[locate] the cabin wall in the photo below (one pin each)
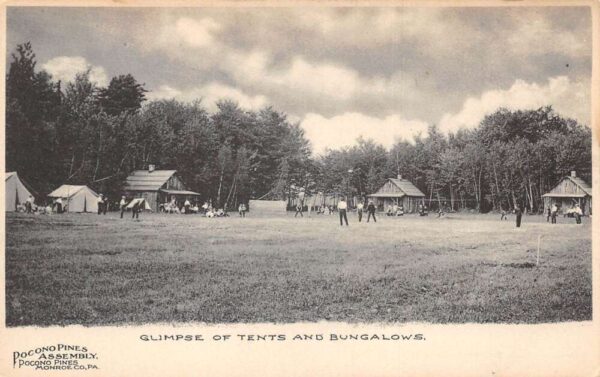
(566, 186)
(389, 187)
(410, 204)
(174, 183)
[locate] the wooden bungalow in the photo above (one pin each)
(398, 191)
(569, 191)
(158, 187)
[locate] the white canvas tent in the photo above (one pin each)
(76, 198)
(145, 205)
(15, 192)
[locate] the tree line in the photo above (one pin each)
(80, 133)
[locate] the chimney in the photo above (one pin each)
(151, 168)
(399, 176)
(573, 174)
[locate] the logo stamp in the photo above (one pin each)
(56, 357)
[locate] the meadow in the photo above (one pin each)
(102, 270)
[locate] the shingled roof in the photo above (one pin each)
(582, 184)
(143, 180)
(407, 186)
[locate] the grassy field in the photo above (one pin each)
(91, 270)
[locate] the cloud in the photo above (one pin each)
(534, 34)
(177, 35)
(210, 94)
(568, 98)
(65, 68)
(420, 62)
(316, 82)
(434, 30)
(193, 33)
(343, 130)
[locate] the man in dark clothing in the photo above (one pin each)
(519, 213)
(100, 204)
(299, 209)
(135, 210)
(371, 212)
(342, 207)
(29, 204)
(577, 212)
(553, 213)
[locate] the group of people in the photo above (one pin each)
(342, 207)
(395, 210)
(552, 212)
(102, 204)
(30, 207)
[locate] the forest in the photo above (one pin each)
(79, 133)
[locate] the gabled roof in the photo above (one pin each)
(407, 187)
(582, 184)
(143, 180)
(66, 191)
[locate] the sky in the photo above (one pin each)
(384, 73)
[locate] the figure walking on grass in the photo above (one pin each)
(101, 204)
(300, 203)
(123, 205)
(359, 210)
(342, 207)
(519, 213)
(371, 211)
(135, 210)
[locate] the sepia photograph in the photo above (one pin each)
(280, 165)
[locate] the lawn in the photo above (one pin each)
(103, 270)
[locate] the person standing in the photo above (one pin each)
(242, 210)
(299, 209)
(59, 205)
(548, 214)
(100, 202)
(359, 210)
(371, 211)
(186, 207)
(122, 205)
(29, 204)
(554, 213)
(577, 212)
(342, 207)
(519, 213)
(135, 209)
